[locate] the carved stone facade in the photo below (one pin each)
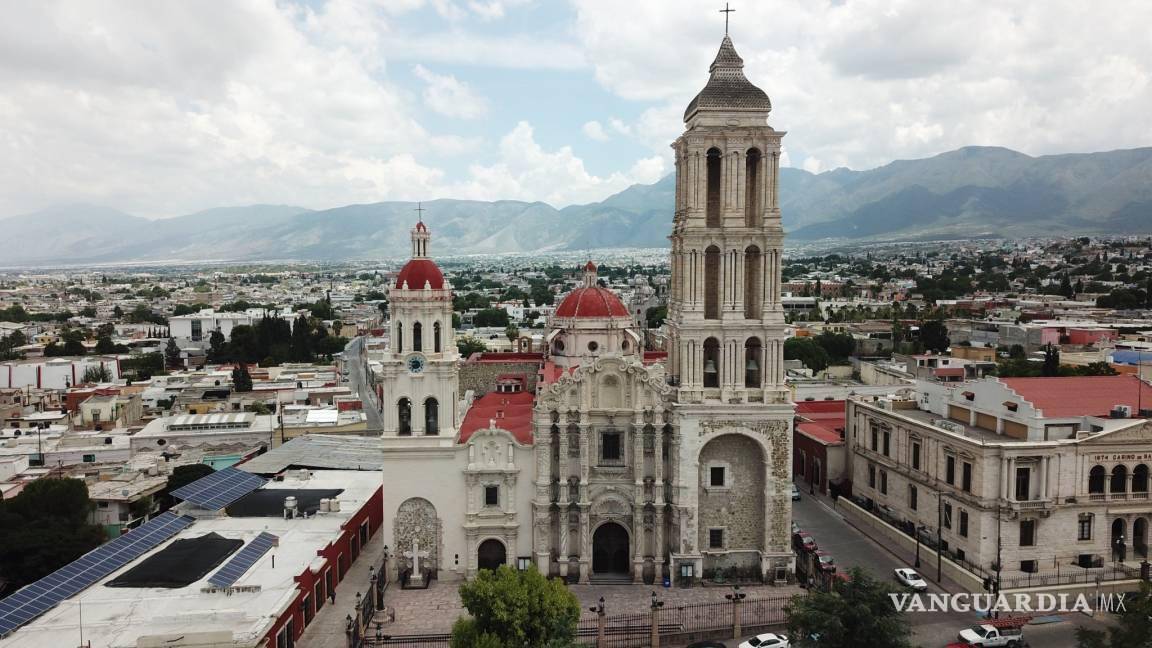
(417, 525)
(490, 492)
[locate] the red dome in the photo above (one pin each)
(591, 302)
(417, 272)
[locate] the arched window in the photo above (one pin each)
(558, 346)
(712, 282)
(752, 359)
(404, 415)
(1096, 479)
(752, 167)
(711, 363)
(712, 213)
(417, 337)
(753, 282)
(399, 337)
(431, 416)
(1119, 479)
(1140, 479)
(436, 337)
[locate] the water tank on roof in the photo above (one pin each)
(325, 505)
(334, 505)
(289, 507)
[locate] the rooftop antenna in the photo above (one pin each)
(726, 11)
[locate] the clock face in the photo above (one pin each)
(415, 363)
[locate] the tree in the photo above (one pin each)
(117, 312)
(105, 345)
(807, 351)
(934, 336)
(467, 345)
(241, 379)
(516, 609)
(858, 607)
(44, 528)
(216, 342)
(1066, 287)
(96, 374)
(172, 354)
(1133, 626)
(839, 346)
(491, 317)
(655, 315)
(301, 344)
(1051, 366)
(511, 332)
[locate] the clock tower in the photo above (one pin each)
(419, 379)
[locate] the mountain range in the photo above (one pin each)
(973, 192)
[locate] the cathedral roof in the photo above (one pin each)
(417, 272)
(728, 90)
(511, 412)
(592, 301)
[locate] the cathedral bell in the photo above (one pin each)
(710, 366)
(753, 365)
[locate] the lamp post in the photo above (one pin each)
(656, 605)
(918, 529)
(939, 538)
(735, 597)
(599, 610)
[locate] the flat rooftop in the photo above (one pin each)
(119, 617)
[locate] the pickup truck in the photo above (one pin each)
(986, 636)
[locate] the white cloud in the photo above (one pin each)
(861, 83)
(595, 130)
(449, 96)
(526, 171)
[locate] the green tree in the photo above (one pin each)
(301, 344)
(216, 346)
(241, 379)
(44, 528)
(858, 607)
(1051, 366)
(807, 351)
(655, 315)
(516, 609)
(934, 336)
(839, 346)
(1133, 626)
(172, 354)
(105, 345)
(96, 374)
(467, 345)
(491, 317)
(117, 312)
(511, 332)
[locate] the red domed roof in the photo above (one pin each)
(595, 301)
(417, 272)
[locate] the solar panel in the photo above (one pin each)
(221, 488)
(37, 598)
(243, 560)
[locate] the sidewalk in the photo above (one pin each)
(327, 630)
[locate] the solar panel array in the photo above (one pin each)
(243, 560)
(33, 600)
(221, 488)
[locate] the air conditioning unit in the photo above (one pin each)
(1121, 411)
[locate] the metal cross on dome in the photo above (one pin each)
(726, 11)
(420, 212)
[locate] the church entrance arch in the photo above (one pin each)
(610, 549)
(491, 554)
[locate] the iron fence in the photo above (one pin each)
(1071, 576)
(635, 630)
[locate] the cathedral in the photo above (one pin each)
(596, 460)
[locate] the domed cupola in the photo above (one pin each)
(589, 322)
(420, 272)
(728, 91)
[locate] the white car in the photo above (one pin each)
(909, 578)
(767, 640)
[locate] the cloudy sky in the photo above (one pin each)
(166, 107)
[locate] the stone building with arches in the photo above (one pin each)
(1055, 469)
(622, 465)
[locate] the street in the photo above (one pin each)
(356, 364)
(851, 548)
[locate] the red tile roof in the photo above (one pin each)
(822, 420)
(655, 356)
(949, 371)
(512, 412)
(417, 272)
(1060, 397)
(594, 301)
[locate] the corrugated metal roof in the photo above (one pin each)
(320, 451)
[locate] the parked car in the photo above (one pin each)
(909, 578)
(803, 541)
(767, 640)
(827, 562)
(795, 493)
(986, 636)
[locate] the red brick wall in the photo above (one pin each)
(812, 449)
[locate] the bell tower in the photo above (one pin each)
(727, 331)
